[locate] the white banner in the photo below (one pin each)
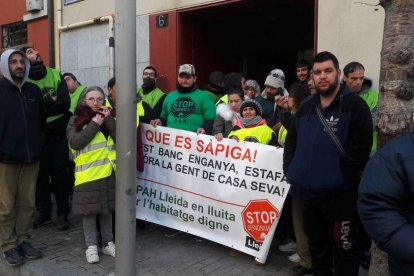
(229, 192)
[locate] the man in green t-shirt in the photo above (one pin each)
(149, 91)
(188, 107)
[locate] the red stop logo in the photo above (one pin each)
(258, 216)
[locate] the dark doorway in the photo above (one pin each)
(250, 36)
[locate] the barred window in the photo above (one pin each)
(14, 34)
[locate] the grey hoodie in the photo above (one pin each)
(22, 117)
(4, 66)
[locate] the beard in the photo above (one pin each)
(328, 91)
(17, 75)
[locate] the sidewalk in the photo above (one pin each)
(64, 254)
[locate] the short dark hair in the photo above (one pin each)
(24, 48)
(152, 68)
(298, 92)
(352, 67)
(237, 91)
(303, 63)
(111, 82)
(325, 56)
(72, 76)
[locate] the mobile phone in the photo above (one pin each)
(281, 92)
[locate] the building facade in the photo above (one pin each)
(248, 36)
(27, 23)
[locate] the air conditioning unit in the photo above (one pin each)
(34, 5)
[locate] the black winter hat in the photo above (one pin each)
(252, 103)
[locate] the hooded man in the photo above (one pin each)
(149, 91)
(22, 121)
(354, 78)
(188, 107)
(53, 164)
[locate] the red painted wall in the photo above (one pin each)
(38, 37)
(163, 51)
(37, 30)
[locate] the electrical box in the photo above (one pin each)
(34, 5)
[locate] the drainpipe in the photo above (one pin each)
(51, 16)
(97, 20)
(58, 23)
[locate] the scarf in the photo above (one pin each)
(183, 89)
(251, 122)
(37, 71)
(85, 115)
(148, 85)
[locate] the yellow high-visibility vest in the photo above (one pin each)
(281, 136)
(260, 134)
(96, 160)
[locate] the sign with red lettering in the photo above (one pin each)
(258, 216)
(225, 191)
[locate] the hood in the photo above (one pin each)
(366, 85)
(4, 65)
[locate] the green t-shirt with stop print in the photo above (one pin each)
(188, 111)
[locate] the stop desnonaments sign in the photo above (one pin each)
(258, 216)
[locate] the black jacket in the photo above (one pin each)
(22, 122)
(311, 160)
(386, 202)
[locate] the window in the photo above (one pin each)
(67, 2)
(14, 34)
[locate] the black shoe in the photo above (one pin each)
(300, 270)
(28, 251)
(41, 220)
(62, 223)
(13, 257)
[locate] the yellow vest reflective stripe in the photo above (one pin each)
(96, 160)
(281, 135)
(260, 134)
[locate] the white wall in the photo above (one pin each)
(353, 32)
(85, 52)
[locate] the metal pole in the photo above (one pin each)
(125, 56)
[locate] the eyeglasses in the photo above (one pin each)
(275, 75)
(93, 100)
(148, 74)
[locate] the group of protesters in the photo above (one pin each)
(325, 121)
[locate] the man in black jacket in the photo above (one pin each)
(54, 160)
(22, 122)
(326, 173)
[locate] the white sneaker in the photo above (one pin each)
(294, 258)
(109, 249)
(92, 254)
(289, 247)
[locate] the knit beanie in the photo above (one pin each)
(251, 103)
(253, 84)
(275, 79)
